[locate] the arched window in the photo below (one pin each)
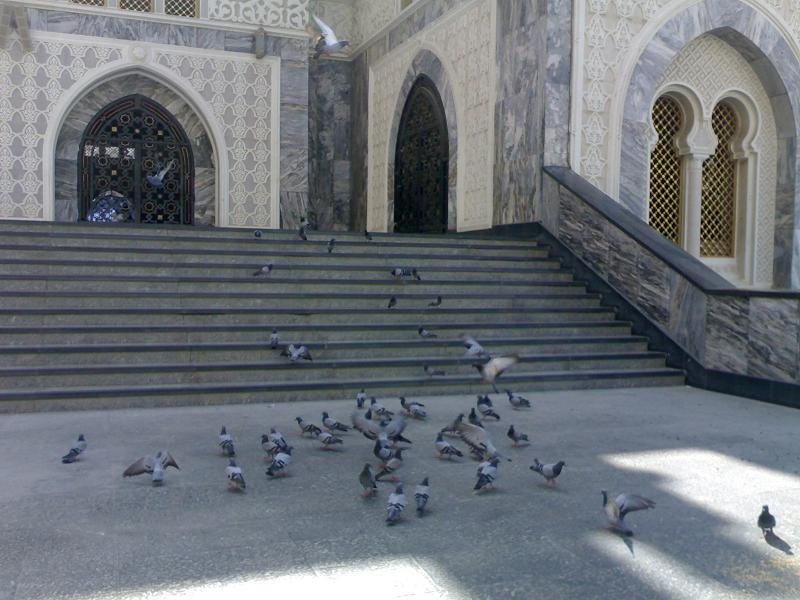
(665, 171)
(718, 198)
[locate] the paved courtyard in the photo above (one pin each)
(709, 461)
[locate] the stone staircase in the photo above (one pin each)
(96, 316)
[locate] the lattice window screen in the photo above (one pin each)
(718, 201)
(182, 8)
(90, 2)
(139, 5)
(665, 171)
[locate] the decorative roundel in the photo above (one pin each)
(125, 162)
(149, 206)
(126, 183)
(125, 118)
(149, 143)
(102, 141)
(102, 182)
(171, 146)
(125, 141)
(171, 186)
(170, 207)
(102, 161)
(149, 164)
(149, 121)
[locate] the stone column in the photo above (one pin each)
(691, 194)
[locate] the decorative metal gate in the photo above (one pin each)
(136, 166)
(421, 163)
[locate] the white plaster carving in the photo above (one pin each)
(464, 41)
(289, 14)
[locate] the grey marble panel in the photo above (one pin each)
(727, 333)
(654, 288)
(687, 315)
(773, 349)
(623, 261)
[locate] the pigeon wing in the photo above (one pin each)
(168, 461)
(330, 37)
(364, 426)
(631, 502)
(143, 465)
(495, 367)
(474, 436)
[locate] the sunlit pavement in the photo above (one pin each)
(709, 461)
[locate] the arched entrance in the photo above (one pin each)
(421, 163)
(135, 165)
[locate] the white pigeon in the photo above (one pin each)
(235, 476)
(396, 505)
(155, 465)
(280, 463)
(422, 494)
(445, 448)
(226, 442)
(327, 42)
(487, 475)
(616, 510)
(75, 451)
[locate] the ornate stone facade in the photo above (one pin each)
(289, 14)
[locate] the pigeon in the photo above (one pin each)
(519, 439)
(271, 447)
(280, 463)
(257, 233)
(452, 428)
(432, 372)
(372, 430)
(437, 302)
(413, 409)
(326, 41)
(235, 477)
(421, 495)
(403, 272)
(396, 505)
(549, 472)
(517, 401)
(265, 270)
(296, 353)
(474, 419)
(487, 474)
(379, 410)
(383, 449)
(75, 451)
(307, 428)
(332, 424)
(445, 448)
(274, 339)
(157, 180)
(301, 233)
(277, 438)
(473, 348)
(226, 442)
(155, 465)
(624, 504)
(331, 244)
(477, 438)
(495, 367)
(367, 481)
(328, 440)
(424, 333)
(485, 408)
(766, 521)
(391, 465)
(361, 397)
(392, 302)
(367, 235)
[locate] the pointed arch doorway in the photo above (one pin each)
(421, 162)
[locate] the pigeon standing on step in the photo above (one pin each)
(155, 465)
(331, 244)
(361, 397)
(226, 442)
(432, 372)
(274, 339)
(495, 367)
(396, 505)
(616, 510)
(445, 449)
(437, 302)
(301, 232)
(549, 472)
(487, 475)
(307, 428)
(265, 270)
(517, 401)
(486, 408)
(235, 477)
(424, 333)
(332, 424)
(367, 481)
(413, 409)
(280, 463)
(519, 439)
(328, 440)
(421, 495)
(257, 233)
(766, 521)
(75, 451)
(296, 353)
(392, 303)
(367, 235)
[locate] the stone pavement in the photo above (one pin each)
(709, 461)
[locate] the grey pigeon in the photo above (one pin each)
(519, 439)
(396, 505)
(226, 442)
(331, 244)
(422, 494)
(379, 410)
(271, 447)
(332, 424)
(549, 472)
(265, 270)
(383, 450)
(437, 302)
(424, 333)
(485, 407)
(766, 521)
(328, 440)
(301, 233)
(367, 481)
(430, 372)
(392, 302)
(274, 339)
(452, 428)
(280, 463)
(616, 510)
(413, 409)
(277, 438)
(391, 465)
(361, 397)
(257, 233)
(487, 475)
(235, 477)
(495, 367)
(473, 347)
(157, 180)
(155, 465)
(474, 419)
(296, 353)
(367, 235)
(517, 401)
(478, 440)
(327, 42)
(75, 451)
(307, 428)
(445, 448)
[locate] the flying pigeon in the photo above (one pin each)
(437, 302)
(392, 302)
(296, 353)
(327, 42)
(274, 339)
(226, 442)
(332, 424)
(367, 481)
(308, 428)
(485, 408)
(235, 477)
(624, 504)
(452, 428)
(519, 439)
(766, 521)
(157, 180)
(280, 463)
(75, 451)
(301, 233)
(361, 397)
(494, 368)
(328, 440)
(421, 495)
(424, 333)
(474, 419)
(367, 235)
(517, 401)
(477, 438)
(265, 270)
(445, 448)
(473, 348)
(396, 505)
(413, 409)
(487, 475)
(391, 465)
(549, 472)
(379, 410)
(432, 372)
(155, 465)
(331, 243)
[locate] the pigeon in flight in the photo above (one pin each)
(477, 438)
(226, 442)
(452, 428)
(367, 235)
(437, 302)
(301, 233)
(326, 41)
(396, 505)
(308, 428)
(421, 495)
(766, 521)
(445, 449)
(485, 407)
(424, 333)
(367, 481)
(616, 510)
(328, 440)
(274, 339)
(487, 475)
(549, 472)
(331, 243)
(517, 401)
(265, 270)
(495, 367)
(391, 465)
(473, 348)
(392, 302)
(296, 353)
(155, 465)
(332, 424)
(157, 180)
(75, 451)
(235, 477)
(361, 397)
(280, 463)
(413, 409)
(432, 372)
(519, 439)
